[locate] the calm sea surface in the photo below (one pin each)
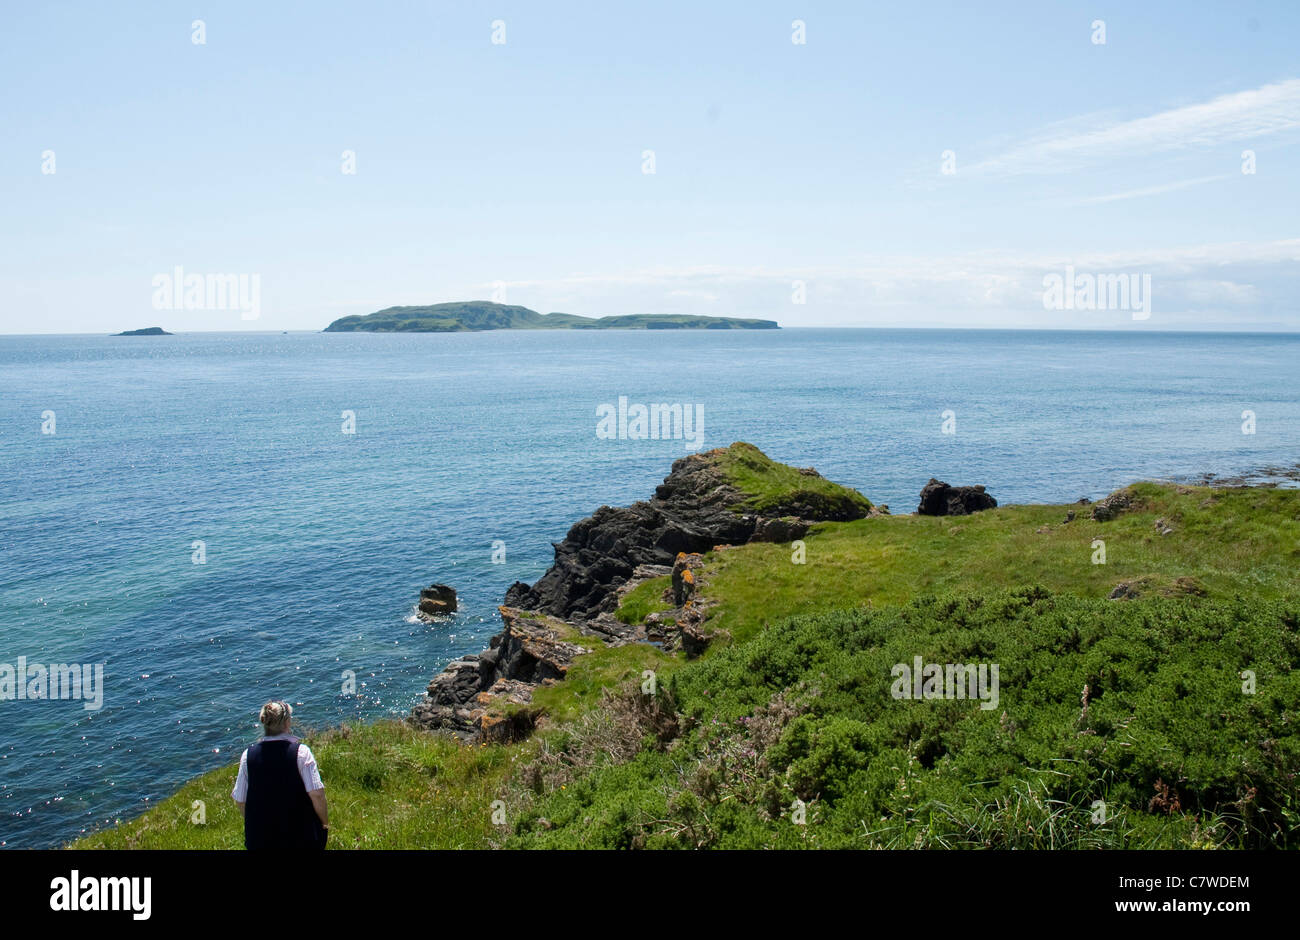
(317, 542)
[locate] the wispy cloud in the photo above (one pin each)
(1241, 115)
(1237, 284)
(1151, 190)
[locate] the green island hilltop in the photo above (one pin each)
(759, 657)
(480, 315)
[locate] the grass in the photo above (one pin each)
(1137, 705)
(644, 599)
(603, 668)
(1240, 541)
(389, 785)
(771, 485)
(795, 703)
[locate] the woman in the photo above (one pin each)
(279, 791)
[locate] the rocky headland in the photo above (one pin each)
(726, 496)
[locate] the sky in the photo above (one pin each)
(925, 165)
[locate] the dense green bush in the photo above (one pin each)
(1165, 735)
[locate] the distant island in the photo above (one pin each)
(147, 331)
(479, 315)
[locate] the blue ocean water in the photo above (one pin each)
(317, 542)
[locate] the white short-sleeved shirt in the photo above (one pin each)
(306, 769)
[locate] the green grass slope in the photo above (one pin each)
(389, 786)
(1166, 748)
(1224, 543)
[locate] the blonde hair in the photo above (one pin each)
(274, 716)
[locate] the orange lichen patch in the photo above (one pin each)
(688, 577)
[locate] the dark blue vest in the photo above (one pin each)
(278, 813)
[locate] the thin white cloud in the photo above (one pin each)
(1241, 115)
(1226, 285)
(1152, 190)
(905, 268)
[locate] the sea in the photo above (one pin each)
(222, 519)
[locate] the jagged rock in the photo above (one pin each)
(1120, 501)
(437, 600)
(468, 696)
(530, 650)
(940, 499)
(694, 509)
(694, 640)
(517, 590)
(1123, 590)
(683, 577)
(687, 631)
(779, 530)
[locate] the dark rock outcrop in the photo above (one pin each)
(1117, 503)
(473, 696)
(694, 509)
(437, 600)
(684, 626)
(940, 499)
(781, 530)
(694, 639)
(683, 578)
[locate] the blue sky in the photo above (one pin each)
(521, 163)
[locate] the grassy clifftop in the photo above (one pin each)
(1223, 543)
(769, 485)
(1168, 716)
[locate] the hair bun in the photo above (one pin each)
(274, 715)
